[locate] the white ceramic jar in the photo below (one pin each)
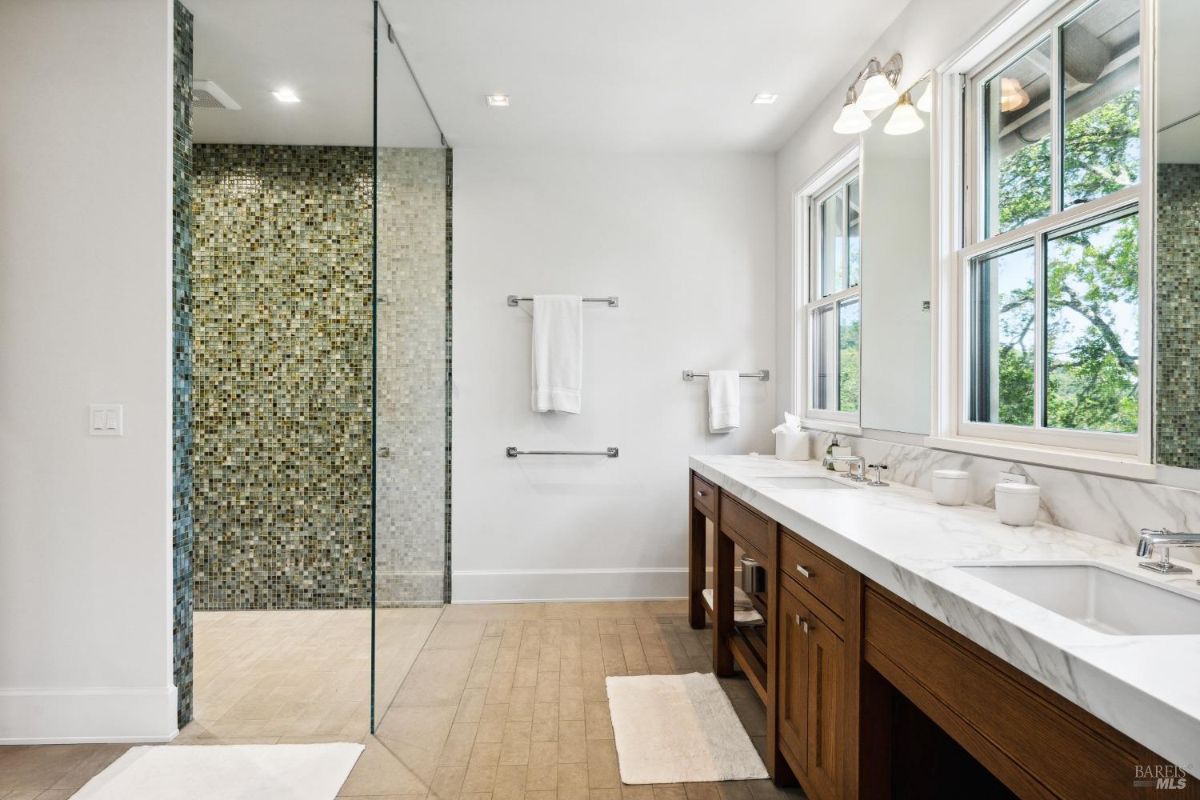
(950, 486)
(1017, 503)
(792, 445)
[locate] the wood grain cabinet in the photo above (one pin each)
(869, 697)
(809, 712)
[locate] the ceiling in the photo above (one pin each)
(1177, 89)
(618, 75)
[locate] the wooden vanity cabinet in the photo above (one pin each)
(869, 697)
(810, 708)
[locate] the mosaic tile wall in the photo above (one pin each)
(181, 372)
(413, 363)
(282, 282)
(282, 285)
(1177, 319)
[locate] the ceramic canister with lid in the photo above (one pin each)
(950, 486)
(1017, 503)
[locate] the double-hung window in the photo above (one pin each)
(1051, 282)
(832, 311)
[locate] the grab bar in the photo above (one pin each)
(610, 452)
(762, 375)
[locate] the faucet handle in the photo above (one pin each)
(877, 467)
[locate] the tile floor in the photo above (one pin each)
(496, 702)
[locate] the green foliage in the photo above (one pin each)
(1091, 280)
(849, 367)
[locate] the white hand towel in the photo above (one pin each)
(724, 400)
(557, 353)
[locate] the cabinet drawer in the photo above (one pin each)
(704, 495)
(741, 522)
(815, 571)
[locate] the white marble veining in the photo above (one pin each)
(1104, 506)
(1144, 686)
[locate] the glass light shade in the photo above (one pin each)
(851, 120)
(904, 119)
(877, 93)
(1012, 95)
(925, 101)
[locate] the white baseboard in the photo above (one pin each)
(75, 716)
(540, 585)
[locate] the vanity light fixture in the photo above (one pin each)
(852, 119)
(925, 101)
(286, 95)
(879, 87)
(497, 100)
(1012, 95)
(764, 99)
(904, 119)
(878, 92)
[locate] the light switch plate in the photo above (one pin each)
(106, 419)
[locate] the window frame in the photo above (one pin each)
(961, 165)
(807, 275)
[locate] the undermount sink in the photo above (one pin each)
(803, 483)
(1094, 595)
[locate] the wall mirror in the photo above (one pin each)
(897, 259)
(1177, 236)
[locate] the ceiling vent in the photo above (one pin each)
(206, 94)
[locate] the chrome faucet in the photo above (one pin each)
(1151, 538)
(829, 461)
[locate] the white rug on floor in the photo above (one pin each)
(679, 729)
(226, 772)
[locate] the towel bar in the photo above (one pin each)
(610, 452)
(611, 302)
(762, 375)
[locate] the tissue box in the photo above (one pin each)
(792, 445)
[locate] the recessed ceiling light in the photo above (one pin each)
(765, 98)
(285, 95)
(497, 100)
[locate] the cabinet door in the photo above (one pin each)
(825, 655)
(793, 693)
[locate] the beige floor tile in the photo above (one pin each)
(510, 782)
(572, 781)
(572, 742)
(542, 774)
(602, 764)
(639, 792)
(598, 720)
(501, 702)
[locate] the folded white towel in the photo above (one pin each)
(742, 614)
(557, 353)
(724, 400)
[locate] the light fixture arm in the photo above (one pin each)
(890, 70)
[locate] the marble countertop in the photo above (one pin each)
(1147, 687)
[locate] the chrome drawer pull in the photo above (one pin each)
(803, 571)
(803, 623)
(700, 493)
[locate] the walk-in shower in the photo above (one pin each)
(313, 192)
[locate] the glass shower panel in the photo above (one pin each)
(412, 361)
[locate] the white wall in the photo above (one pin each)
(686, 242)
(85, 522)
(926, 33)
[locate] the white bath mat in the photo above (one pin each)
(226, 772)
(679, 729)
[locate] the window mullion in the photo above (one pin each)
(1040, 351)
(1057, 134)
